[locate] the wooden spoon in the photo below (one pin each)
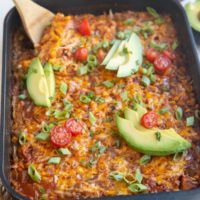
(35, 18)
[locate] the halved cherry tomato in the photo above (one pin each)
(162, 63)
(169, 54)
(60, 137)
(84, 27)
(81, 54)
(151, 54)
(149, 120)
(74, 126)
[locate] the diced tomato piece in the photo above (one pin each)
(169, 54)
(81, 54)
(151, 54)
(162, 63)
(84, 28)
(149, 120)
(60, 137)
(74, 126)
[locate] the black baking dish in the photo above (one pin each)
(12, 22)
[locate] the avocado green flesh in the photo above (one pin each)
(37, 85)
(146, 142)
(135, 117)
(111, 52)
(118, 58)
(193, 13)
(134, 57)
(49, 74)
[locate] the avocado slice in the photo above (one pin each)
(111, 52)
(118, 58)
(49, 74)
(135, 57)
(37, 84)
(136, 116)
(138, 136)
(146, 142)
(193, 13)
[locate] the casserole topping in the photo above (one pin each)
(103, 107)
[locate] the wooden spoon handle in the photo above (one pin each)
(35, 18)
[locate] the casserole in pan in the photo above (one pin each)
(91, 160)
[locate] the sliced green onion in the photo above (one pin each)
(50, 112)
(43, 197)
(150, 70)
(125, 51)
(100, 100)
(158, 136)
(85, 99)
(91, 134)
(22, 138)
(163, 111)
(42, 190)
(197, 114)
(121, 35)
(91, 162)
(138, 176)
(136, 29)
(175, 45)
(145, 81)
(137, 188)
(178, 156)
(118, 176)
(179, 113)
(92, 61)
(47, 128)
(129, 178)
(145, 159)
(42, 136)
(153, 78)
(108, 84)
(105, 44)
(137, 99)
(159, 47)
(63, 87)
(64, 151)
(135, 106)
(67, 104)
(82, 70)
(92, 118)
(90, 95)
(54, 160)
(98, 147)
(33, 173)
(61, 115)
(22, 96)
(144, 71)
(128, 21)
(190, 121)
(124, 96)
(159, 21)
(127, 33)
(57, 68)
(153, 12)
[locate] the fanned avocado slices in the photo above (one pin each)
(146, 140)
(125, 56)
